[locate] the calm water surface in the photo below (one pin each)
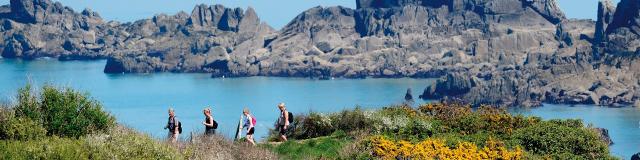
(141, 100)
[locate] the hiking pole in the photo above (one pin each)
(239, 129)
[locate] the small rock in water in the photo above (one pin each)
(636, 156)
(604, 135)
(408, 96)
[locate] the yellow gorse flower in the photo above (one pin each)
(436, 149)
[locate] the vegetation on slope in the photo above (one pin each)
(444, 131)
(61, 123)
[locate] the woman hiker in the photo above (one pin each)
(283, 121)
(173, 124)
(210, 125)
(250, 125)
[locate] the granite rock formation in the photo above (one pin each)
(36, 28)
(210, 39)
(589, 66)
(500, 52)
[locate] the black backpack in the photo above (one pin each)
(290, 117)
(215, 124)
(179, 127)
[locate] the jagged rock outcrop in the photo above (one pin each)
(500, 52)
(623, 33)
(572, 74)
(408, 38)
(604, 18)
(179, 43)
(36, 28)
(212, 39)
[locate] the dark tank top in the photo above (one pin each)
(208, 128)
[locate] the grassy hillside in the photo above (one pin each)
(61, 123)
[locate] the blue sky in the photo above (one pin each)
(276, 13)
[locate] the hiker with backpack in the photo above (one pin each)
(210, 125)
(250, 124)
(284, 120)
(174, 126)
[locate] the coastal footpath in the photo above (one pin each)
(498, 52)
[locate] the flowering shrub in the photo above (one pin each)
(556, 138)
(436, 149)
(446, 112)
(462, 119)
(391, 120)
(455, 131)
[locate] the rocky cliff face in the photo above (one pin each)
(35, 28)
(203, 41)
(210, 39)
(601, 70)
(501, 52)
(410, 38)
(624, 29)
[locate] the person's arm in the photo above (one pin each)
(209, 123)
(176, 127)
(286, 119)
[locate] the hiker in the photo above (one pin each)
(174, 126)
(250, 124)
(283, 121)
(210, 125)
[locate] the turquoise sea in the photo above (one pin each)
(141, 100)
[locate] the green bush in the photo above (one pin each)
(573, 123)
(350, 120)
(315, 125)
(553, 138)
(415, 130)
(62, 112)
(18, 128)
(28, 104)
(470, 124)
(69, 113)
(21, 129)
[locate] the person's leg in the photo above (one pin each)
(283, 133)
(174, 138)
(250, 139)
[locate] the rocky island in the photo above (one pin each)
(499, 52)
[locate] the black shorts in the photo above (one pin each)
(282, 130)
(209, 131)
(250, 132)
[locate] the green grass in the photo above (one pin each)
(119, 143)
(328, 147)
